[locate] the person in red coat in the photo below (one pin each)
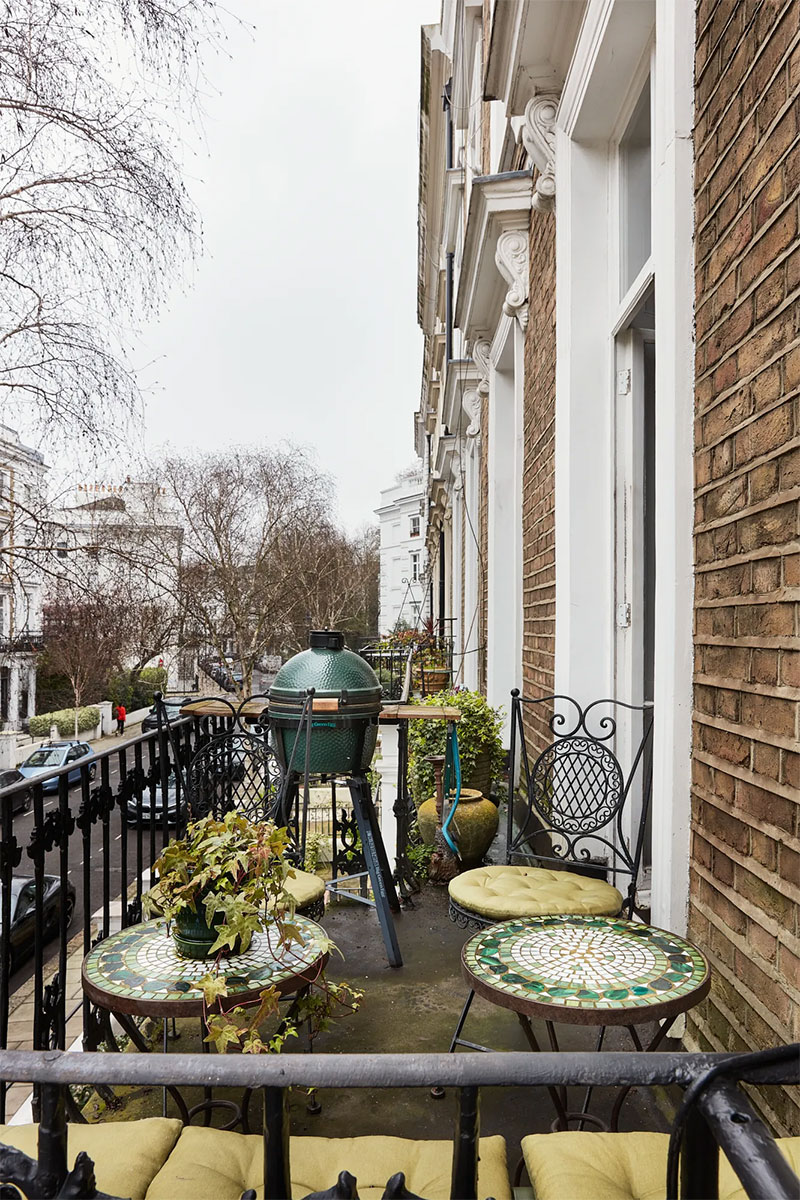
(121, 715)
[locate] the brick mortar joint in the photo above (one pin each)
(752, 778)
(749, 863)
(749, 996)
(750, 733)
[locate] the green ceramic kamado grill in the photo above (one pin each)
(347, 701)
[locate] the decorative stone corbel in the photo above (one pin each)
(511, 257)
(480, 356)
(471, 403)
(455, 467)
(472, 399)
(539, 139)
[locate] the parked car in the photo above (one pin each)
(52, 755)
(22, 801)
(139, 814)
(172, 706)
(23, 912)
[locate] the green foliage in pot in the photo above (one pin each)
(479, 732)
(235, 870)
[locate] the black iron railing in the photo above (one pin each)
(89, 846)
(718, 1114)
(391, 665)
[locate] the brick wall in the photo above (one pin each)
(538, 479)
(745, 885)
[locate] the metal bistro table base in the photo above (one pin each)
(582, 970)
(137, 972)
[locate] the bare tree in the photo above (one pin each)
(94, 215)
(83, 639)
(336, 584)
(250, 517)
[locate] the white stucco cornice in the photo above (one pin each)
(445, 448)
(529, 49)
(453, 203)
(462, 375)
(493, 274)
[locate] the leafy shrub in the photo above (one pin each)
(136, 690)
(64, 720)
(155, 677)
(479, 730)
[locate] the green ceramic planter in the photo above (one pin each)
(193, 936)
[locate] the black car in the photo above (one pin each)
(171, 712)
(21, 801)
(23, 913)
(140, 813)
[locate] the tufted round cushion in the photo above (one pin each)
(501, 893)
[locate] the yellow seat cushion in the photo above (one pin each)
(304, 887)
(616, 1166)
(220, 1165)
(501, 893)
(127, 1155)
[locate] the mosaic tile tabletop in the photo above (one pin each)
(585, 964)
(140, 964)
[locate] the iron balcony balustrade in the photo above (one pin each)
(22, 642)
(101, 836)
(715, 1114)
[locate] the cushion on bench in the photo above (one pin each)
(616, 1166)
(501, 893)
(220, 1164)
(126, 1154)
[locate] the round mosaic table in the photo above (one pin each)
(585, 970)
(138, 971)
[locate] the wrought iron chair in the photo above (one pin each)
(569, 814)
(565, 818)
(237, 769)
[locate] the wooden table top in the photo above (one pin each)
(219, 707)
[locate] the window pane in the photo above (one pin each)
(635, 191)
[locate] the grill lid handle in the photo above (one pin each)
(325, 639)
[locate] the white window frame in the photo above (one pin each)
(589, 314)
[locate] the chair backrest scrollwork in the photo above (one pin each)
(566, 807)
(235, 770)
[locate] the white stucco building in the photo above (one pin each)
(402, 525)
(22, 472)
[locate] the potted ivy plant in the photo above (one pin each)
(217, 886)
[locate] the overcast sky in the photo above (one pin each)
(301, 324)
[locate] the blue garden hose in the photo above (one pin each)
(452, 761)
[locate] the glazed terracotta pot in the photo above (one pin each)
(473, 827)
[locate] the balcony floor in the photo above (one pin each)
(415, 1008)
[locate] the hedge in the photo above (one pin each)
(64, 720)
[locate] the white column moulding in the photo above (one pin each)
(504, 634)
(673, 232)
(584, 490)
(13, 693)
